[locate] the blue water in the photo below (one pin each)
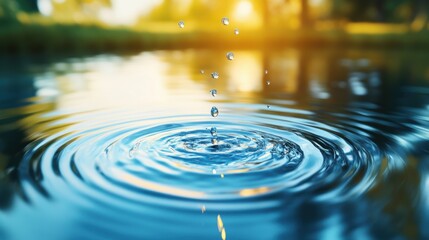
(121, 146)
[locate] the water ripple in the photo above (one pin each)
(149, 158)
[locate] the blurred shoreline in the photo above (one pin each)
(18, 38)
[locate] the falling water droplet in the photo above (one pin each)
(213, 92)
(213, 132)
(214, 171)
(230, 55)
(203, 209)
(221, 227)
(268, 83)
(202, 71)
(181, 24)
(221, 175)
(219, 223)
(236, 31)
(215, 75)
(266, 71)
(225, 21)
(214, 112)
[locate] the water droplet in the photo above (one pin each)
(221, 227)
(215, 75)
(202, 71)
(230, 55)
(236, 31)
(214, 112)
(221, 175)
(268, 106)
(225, 21)
(266, 71)
(268, 83)
(213, 92)
(213, 132)
(203, 209)
(181, 24)
(219, 223)
(214, 171)
(214, 141)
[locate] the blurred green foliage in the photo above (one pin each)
(73, 25)
(10, 8)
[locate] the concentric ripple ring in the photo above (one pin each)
(177, 156)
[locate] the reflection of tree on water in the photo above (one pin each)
(15, 87)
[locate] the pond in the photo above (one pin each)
(302, 144)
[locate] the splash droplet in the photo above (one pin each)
(215, 75)
(221, 175)
(214, 141)
(214, 171)
(213, 132)
(225, 21)
(268, 83)
(230, 55)
(214, 112)
(203, 209)
(181, 24)
(221, 227)
(213, 92)
(236, 31)
(219, 223)
(202, 71)
(266, 71)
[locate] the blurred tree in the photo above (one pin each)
(286, 10)
(170, 10)
(79, 10)
(9, 9)
(28, 6)
(399, 11)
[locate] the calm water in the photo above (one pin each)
(121, 147)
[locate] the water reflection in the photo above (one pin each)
(50, 106)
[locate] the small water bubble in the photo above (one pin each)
(213, 132)
(225, 21)
(181, 24)
(268, 83)
(215, 75)
(202, 71)
(236, 31)
(213, 92)
(214, 112)
(230, 55)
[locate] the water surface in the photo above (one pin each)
(120, 146)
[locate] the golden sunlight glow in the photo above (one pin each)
(139, 182)
(244, 9)
(253, 191)
(245, 14)
(245, 72)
